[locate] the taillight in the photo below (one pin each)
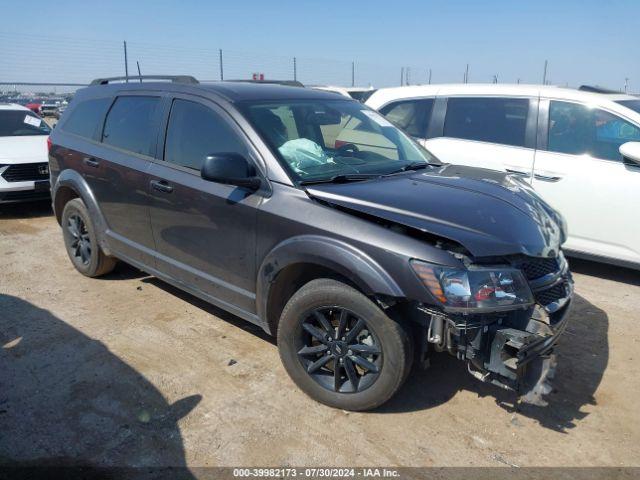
(49, 144)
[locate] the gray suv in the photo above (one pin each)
(360, 258)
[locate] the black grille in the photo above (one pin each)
(23, 195)
(552, 294)
(539, 267)
(26, 172)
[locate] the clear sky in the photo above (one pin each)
(589, 41)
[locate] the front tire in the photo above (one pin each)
(81, 241)
(340, 348)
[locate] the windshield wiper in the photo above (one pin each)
(344, 178)
(414, 166)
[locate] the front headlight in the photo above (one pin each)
(476, 288)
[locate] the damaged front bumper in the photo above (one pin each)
(513, 350)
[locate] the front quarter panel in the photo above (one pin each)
(292, 228)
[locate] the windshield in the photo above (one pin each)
(632, 104)
(321, 139)
(19, 123)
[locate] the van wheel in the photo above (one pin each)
(340, 348)
(81, 242)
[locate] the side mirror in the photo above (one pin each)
(230, 169)
(630, 152)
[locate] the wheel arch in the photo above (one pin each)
(70, 185)
(298, 260)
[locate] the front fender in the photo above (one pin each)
(73, 180)
(327, 252)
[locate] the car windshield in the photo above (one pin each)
(632, 104)
(319, 140)
(19, 123)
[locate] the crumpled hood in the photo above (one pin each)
(25, 149)
(490, 213)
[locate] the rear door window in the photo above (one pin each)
(131, 124)
(86, 117)
(494, 120)
(195, 131)
(410, 115)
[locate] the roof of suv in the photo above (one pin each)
(231, 91)
(385, 95)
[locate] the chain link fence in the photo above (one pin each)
(48, 63)
(58, 62)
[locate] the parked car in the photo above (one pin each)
(564, 142)
(356, 260)
(60, 110)
(357, 93)
(24, 166)
(49, 108)
(35, 107)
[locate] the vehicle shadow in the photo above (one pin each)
(583, 355)
(66, 400)
(603, 270)
(12, 211)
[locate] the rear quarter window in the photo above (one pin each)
(86, 118)
(131, 124)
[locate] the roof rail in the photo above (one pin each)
(596, 89)
(174, 79)
(288, 83)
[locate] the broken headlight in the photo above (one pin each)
(476, 288)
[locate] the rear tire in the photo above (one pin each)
(327, 325)
(81, 242)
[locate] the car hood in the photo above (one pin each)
(490, 213)
(25, 149)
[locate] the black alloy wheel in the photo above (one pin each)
(339, 351)
(81, 242)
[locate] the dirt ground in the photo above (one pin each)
(127, 370)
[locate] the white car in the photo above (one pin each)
(566, 143)
(24, 163)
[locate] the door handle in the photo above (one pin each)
(517, 172)
(90, 162)
(162, 186)
(547, 178)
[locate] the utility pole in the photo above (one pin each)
(518, 81)
(295, 70)
(466, 74)
(495, 78)
(221, 68)
(626, 85)
(544, 75)
(353, 74)
(401, 76)
(126, 64)
(429, 76)
(407, 74)
(139, 74)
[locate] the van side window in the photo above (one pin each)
(86, 117)
(578, 130)
(494, 120)
(195, 131)
(410, 115)
(130, 124)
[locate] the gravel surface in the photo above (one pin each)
(127, 370)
